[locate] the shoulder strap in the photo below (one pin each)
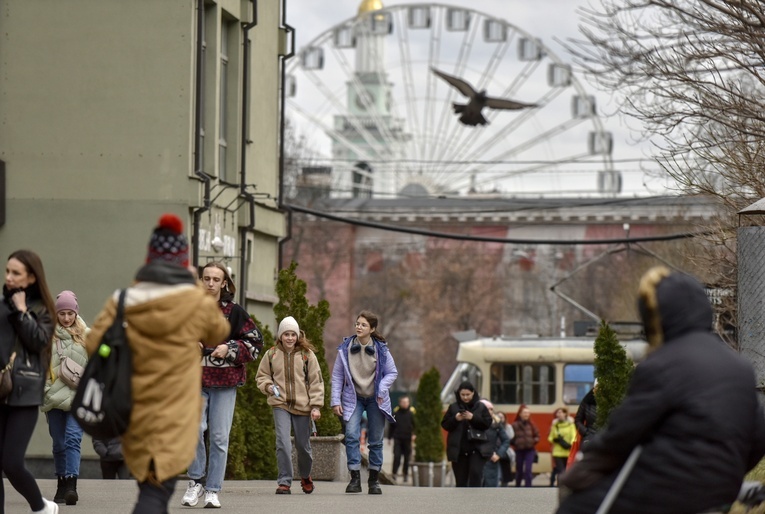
(120, 317)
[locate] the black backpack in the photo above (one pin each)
(103, 400)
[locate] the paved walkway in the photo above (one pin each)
(118, 496)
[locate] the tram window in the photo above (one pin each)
(577, 381)
(464, 371)
(532, 384)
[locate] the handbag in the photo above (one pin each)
(104, 402)
(6, 383)
(476, 435)
(69, 371)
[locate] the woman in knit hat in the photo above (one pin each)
(66, 433)
(289, 374)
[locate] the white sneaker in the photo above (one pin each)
(192, 494)
(211, 500)
(50, 508)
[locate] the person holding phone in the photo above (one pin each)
(289, 374)
(467, 420)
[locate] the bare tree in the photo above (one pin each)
(691, 71)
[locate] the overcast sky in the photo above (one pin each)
(546, 19)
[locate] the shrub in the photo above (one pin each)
(252, 441)
(613, 369)
(427, 418)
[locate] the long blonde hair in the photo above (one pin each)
(78, 330)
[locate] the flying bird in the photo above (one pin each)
(471, 112)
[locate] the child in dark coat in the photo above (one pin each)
(112, 461)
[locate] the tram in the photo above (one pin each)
(542, 373)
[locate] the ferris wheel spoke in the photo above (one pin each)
(410, 96)
(434, 60)
(459, 70)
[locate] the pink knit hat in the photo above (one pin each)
(488, 404)
(66, 300)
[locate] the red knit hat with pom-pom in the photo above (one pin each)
(168, 243)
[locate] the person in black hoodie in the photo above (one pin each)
(402, 433)
(466, 420)
(691, 405)
(586, 418)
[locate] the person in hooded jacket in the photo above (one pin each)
(691, 405)
(463, 452)
(496, 445)
(586, 418)
(362, 376)
(525, 442)
(167, 315)
(562, 435)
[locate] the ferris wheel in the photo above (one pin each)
(376, 119)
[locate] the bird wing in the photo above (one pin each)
(459, 84)
(501, 103)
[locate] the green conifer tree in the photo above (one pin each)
(613, 369)
(251, 454)
(427, 418)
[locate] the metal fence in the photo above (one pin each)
(751, 298)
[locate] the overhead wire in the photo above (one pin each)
(500, 240)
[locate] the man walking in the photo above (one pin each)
(401, 433)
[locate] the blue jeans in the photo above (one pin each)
(217, 416)
(375, 427)
(67, 438)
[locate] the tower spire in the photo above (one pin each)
(369, 6)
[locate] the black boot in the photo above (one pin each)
(70, 496)
(60, 490)
(372, 483)
(354, 486)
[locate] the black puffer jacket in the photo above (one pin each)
(692, 405)
(587, 417)
(34, 332)
(457, 442)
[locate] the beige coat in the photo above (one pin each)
(165, 324)
(287, 371)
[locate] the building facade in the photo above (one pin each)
(114, 112)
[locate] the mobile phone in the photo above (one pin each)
(207, 351)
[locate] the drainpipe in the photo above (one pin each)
(249, 198)
(282, 124)
(204, 177)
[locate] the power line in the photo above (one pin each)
(483, 239)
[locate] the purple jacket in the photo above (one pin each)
(343, 392)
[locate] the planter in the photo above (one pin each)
(430, 474)
(329, 461)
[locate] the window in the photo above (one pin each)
(223, 105)
(523, 383)
(463, 372)
(577, 381)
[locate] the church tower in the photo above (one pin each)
(370, 136)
